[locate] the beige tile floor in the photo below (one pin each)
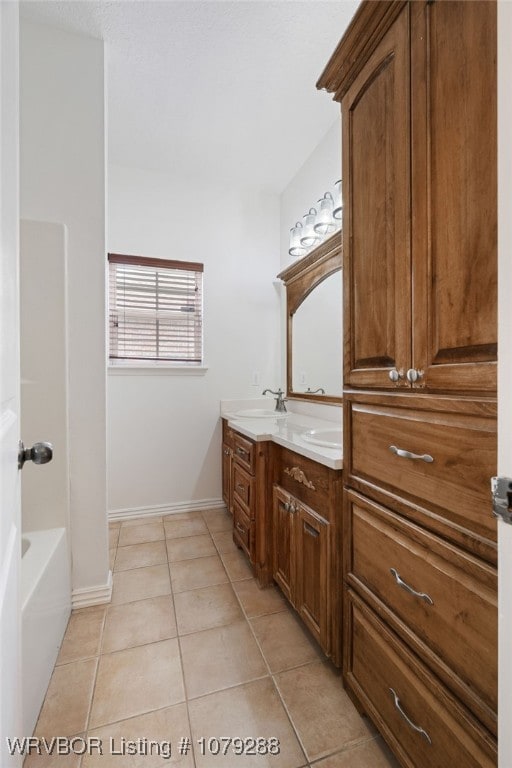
(190, 647)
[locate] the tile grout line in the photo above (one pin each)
(181, 657)
(280, 698)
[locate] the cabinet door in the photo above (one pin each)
(376, 215)
(312, 595)
(454, 194)
(226, 476)
(284, 545)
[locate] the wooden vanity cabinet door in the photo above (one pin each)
(376, 215)
(283, 543)
(312, 597)
(454, 194)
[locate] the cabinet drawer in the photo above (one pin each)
(453, 609)
(228, 435)
(243, 531)
(244, 452)
(424, 724)
(307, 480)
(437, 459)
(243, 489)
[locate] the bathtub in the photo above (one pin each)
(45, 609)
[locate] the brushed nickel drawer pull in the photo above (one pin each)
(240, 487)
(242, 452)
(312, 532)
(408, 455)
(404, 585)
(408, 720)
(241, 529)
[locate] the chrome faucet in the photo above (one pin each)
(280, 400)
(310, 391)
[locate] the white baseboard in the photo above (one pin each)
(83, 598)
(164, 509)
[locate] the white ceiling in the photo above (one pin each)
(208, 87)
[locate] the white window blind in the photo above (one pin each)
(155, 309)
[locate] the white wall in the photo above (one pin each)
(44, 373)
(315, 177)
(163, 428)
(63, 180)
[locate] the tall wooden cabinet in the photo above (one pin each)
(419, 189)
(417, 87)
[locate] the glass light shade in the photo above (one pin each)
(324, 221)
(309, 237)
(338, 205)
(296, 249)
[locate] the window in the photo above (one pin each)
(155, 310)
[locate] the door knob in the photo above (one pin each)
(395, 375)
(40, 453)
(413, 375)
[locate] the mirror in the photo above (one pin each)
(314, 323)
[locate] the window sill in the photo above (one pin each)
(151, 369)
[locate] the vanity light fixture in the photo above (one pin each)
(338, 205)
(296, 249)
(317, 225)
(309, 236)
(324, 223)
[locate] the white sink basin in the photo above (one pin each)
(258, 413)
(328, 438)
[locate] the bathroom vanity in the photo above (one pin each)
(284, 493)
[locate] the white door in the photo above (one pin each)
(10, 514)
(504, 376)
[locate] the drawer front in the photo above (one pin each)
(437, 459)
(244, 452)
(228, 434)
(446, 597)
(416, 714)
(243, 489)
(243, 530)
(307, 480)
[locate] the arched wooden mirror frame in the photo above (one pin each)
(300, 278)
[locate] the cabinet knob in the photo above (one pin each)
(413, 375)
(395, 375)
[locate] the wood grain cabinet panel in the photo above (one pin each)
(301, 563)
(243, 531)
(417, 86)
(307, 480)
(312, 594)
(423, 722)
(284, 544)
(438, 597)
(454, 194)
(439, 460)
(246, 486)
(243, 489)
(376, 216)
(245, 452)
(420, 194)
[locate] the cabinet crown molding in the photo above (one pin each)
(367, 28)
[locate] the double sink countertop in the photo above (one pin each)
(286, 429)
